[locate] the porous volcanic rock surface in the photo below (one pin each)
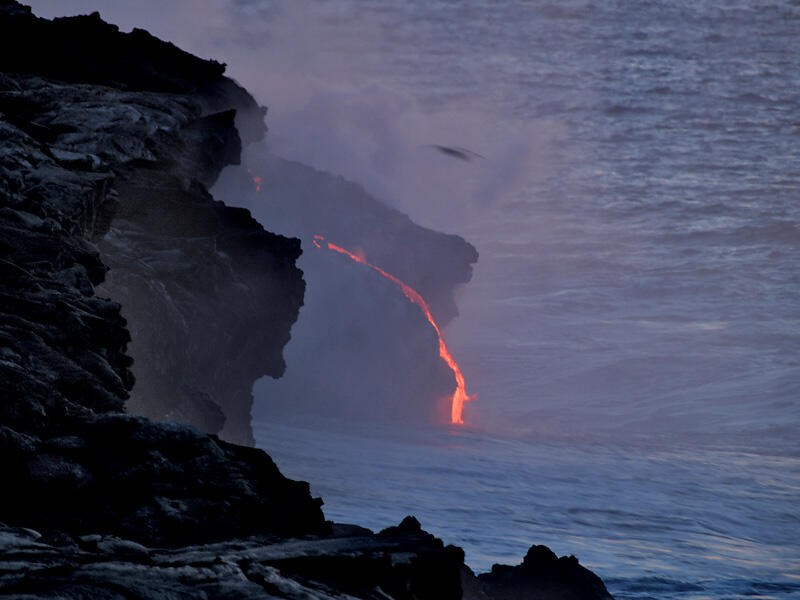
(350, 562)
(88, 152)
(115, 149)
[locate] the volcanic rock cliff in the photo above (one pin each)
(108, 142)
(118, 147)
(88, 150)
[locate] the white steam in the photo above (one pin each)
(337, 101)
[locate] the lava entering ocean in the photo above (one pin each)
(460, 394)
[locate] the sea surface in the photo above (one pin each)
(657, 520)
(632, 329)
(633, 325)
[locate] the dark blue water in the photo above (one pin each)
(654, 520)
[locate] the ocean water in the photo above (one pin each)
(654, 520)
(633, 326)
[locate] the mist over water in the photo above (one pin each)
(633, 325)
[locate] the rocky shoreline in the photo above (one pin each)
(402, 562)
(108, 143)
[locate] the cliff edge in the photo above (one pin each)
(115, 150)
(88, 152)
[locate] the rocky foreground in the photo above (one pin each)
(108, 142)
(351, 562)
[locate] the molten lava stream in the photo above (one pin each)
(460, 395)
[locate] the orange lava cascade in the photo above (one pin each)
(460, 395)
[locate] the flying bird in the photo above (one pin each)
(457, 152)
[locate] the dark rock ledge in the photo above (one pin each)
(401, 563)
(111, 139)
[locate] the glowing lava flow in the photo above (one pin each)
(256, 180)
(460, 395)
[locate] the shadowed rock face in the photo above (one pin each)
(63, 347)
(209, 296)
(351, 562)
(87, 154)
(117, 148)
(403, 563)
(541, 576)
(85, 49)
(158, 484)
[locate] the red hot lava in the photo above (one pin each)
(460, 394)
(256, 180)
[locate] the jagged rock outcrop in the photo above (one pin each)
(81, 160)
(402, 563)
(540, 576)
(352, 562)
(200, 336)
(157, 484)
(87, 50)
(117, 148)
